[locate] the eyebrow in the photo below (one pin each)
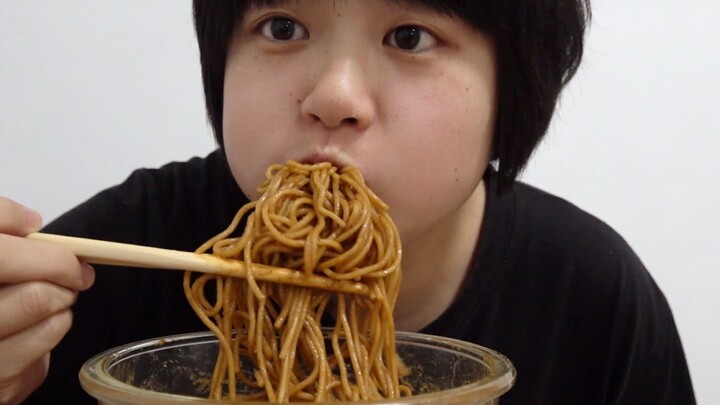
(269, 3)
(430, 5)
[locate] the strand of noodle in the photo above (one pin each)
(199, 284)
(389, 355)
(315, 376)
(324, 380)
(250, 274)
(338, 357)
(320, 183)
(361, 349)
(365, 271)
(262, 365)
(356, 349)
(376, 329)
(313, 219)
(352, 349)
(310, 247)
(357, 216)
(212, 326)
(224, 234)
(228, 308)
(287, 352)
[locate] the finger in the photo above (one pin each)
(25, 304)
(16, 390)
(21, 350)
(16, 219)
(28, 260)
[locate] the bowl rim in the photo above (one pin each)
(97, 382)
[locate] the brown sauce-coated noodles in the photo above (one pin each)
(314, 219)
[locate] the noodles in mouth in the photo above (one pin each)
(315, 219)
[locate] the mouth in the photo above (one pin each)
(318, 157)
(336, 160)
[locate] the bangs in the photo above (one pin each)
(474, 12)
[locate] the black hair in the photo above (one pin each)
(538, 45)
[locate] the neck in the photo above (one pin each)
(436, 264)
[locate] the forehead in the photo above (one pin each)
(459, 8)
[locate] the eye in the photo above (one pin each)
(411, 38)
(283, 29)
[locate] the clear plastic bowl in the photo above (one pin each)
(176, 369)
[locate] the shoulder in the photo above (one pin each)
(561, 225)
(156, 206)
(176, 176)
(586, 270)
(576, 255)
(604, 298)
(555, 229)
(556, 288)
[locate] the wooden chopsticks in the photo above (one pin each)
(121, 254)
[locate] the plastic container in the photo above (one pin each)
(175, 369)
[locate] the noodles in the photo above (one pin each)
(313, 219)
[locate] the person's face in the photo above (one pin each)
(403, 93)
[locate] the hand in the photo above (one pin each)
(38, 284)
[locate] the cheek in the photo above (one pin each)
(238, 138)
(252, 131)
(442, 152)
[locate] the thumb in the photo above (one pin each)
(16, 219)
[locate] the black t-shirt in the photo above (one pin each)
(551, 287)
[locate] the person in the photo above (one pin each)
(440, 105)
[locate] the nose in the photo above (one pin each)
(341, 95)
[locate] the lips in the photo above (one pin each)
(323, 157)
(335, 160)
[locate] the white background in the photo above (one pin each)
(91, 90)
